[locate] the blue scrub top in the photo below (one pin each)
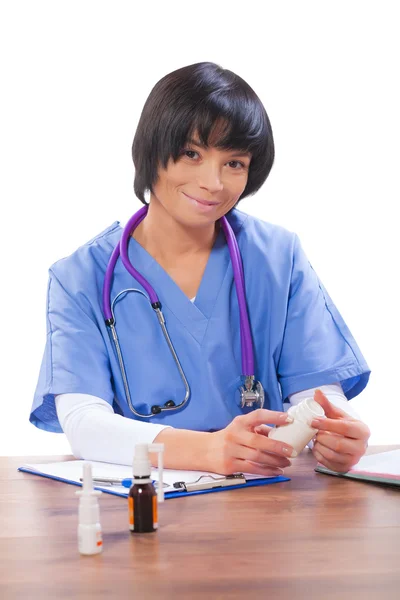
(300, 340)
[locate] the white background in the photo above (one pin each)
(74, 78)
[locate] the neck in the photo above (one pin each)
(167, 239)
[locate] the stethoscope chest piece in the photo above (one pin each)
(251, 393)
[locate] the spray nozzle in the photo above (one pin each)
(87, 485)
(142, 464)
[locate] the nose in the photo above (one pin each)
(209, 178)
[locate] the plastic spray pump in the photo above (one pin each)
(142, 498)
(89, 529)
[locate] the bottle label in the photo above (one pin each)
(99, 542)
(155, 513)
(131, 517)
(90, 539)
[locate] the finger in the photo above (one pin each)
(263, 458)
(262, 416)
(269, 445)
(331, 455)
(340, 444)
(332, 465)
(245, 466)
(347, 427)
(330, 409)
(263, 430)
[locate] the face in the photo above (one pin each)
(203, 185)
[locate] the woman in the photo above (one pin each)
(203, 142)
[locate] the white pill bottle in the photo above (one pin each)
(300, 432)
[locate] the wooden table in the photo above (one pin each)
(316, 537)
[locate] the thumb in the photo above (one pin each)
(331, 411)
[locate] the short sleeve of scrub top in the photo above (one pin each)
(75, 358)
(317, 344)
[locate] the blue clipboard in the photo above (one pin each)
(178, 494)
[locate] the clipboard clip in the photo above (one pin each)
(216, 482)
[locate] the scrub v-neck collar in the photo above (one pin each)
(194, 316)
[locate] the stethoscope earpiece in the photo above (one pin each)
(155, 409)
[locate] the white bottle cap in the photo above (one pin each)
(141, 461)
(142, 465)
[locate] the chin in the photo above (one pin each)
(198, 221)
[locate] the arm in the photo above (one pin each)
(95, 432)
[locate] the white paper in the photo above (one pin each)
(385, 463)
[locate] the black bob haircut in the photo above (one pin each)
(214, 102)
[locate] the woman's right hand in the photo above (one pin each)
(243, 446)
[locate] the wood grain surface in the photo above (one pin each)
(316, 536)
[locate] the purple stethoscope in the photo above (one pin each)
(252, 391)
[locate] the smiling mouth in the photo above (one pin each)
(200, 201)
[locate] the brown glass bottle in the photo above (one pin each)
(142, 502)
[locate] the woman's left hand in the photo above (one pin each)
(341, 440)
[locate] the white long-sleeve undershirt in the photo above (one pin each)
(96, 432)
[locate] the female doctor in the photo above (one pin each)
(194, 324)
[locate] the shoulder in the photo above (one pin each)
(269, 249)
(256, 234)
(90, 260)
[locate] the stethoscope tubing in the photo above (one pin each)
(252, 390)
(120, 358)
(247, 355)
(238, 274)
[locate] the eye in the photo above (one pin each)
(236, 162)
(236, 165)
(189, 153)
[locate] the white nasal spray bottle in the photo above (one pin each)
(300, 432)
(89, 529)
